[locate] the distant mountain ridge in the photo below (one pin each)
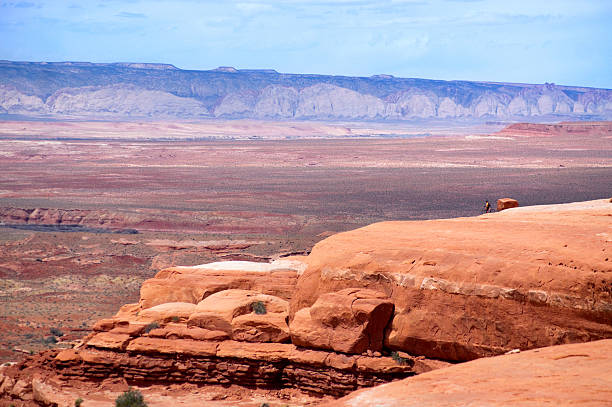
(163, 91)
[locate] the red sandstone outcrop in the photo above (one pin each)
(368, 299)
(193, 284)
(233, 312)
(193, 326)
(506, 203)
(567, 375)
(168, 312)
(350, 321)
(471, 287)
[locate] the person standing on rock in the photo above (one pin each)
(487, 207)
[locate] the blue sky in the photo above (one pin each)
(561, 41)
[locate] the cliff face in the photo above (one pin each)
(163, 91)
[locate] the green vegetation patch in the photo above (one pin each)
(131, 398)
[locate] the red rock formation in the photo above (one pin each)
(232, 311)
(454, 289)
(193, 284)
(210, 333)
(567, 375)
(148, 359)
(506, 203)
(350, 321)
(472, 287)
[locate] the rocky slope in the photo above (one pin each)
(365, 307)
(73, 89)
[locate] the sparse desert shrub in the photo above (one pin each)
(175, 319)
(264, 405)
(151, 326)
(56, 332)
(400, 360)
(78, 402)
(131, 398)
(49, 340)
(259, 307)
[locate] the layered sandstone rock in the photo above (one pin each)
(170, 311)
(234, 312)
(193, 284)
(567, 375)
(350, 321)
(149, 360)
(363, 303)
(194, 328)
(471, 287)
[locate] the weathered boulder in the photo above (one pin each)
(131, 328)
(47, 395)
(471, 287)
(22, 390)
(219, 311)
(270, 327)
(350, 321)
(168, 312)
(182, 331)
(108, 340)
(506, 203)
(567, 375)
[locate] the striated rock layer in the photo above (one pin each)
(222, 323)
(151, 360)
(471, 287)
(567, 375)
(137, 90)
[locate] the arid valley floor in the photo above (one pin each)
(152, 195)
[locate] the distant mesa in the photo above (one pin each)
(162, 91)
(134, 65)
(270, 71)
(226, 69)
(146, 65)
(382, 76)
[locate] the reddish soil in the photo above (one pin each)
(280, 196)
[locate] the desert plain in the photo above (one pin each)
(90, 210)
